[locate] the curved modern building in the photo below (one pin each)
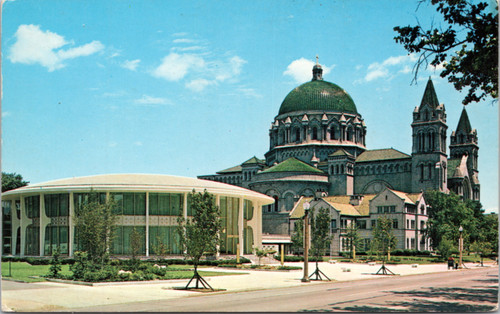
(41, 215)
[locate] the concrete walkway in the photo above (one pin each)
(51, 296)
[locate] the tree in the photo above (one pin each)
(261, 253)
(159, 248)
(481, 248)
(445, 248)
(383, 240)
(12, 181)
(55, 265)
(446, 214)
(467, 47)
(136, 242)
(320, 237)
(353, 239)
(298, 236)
(95, 223)
(200, 234)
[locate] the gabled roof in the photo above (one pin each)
(338, 202)
(292, 164)
(409, 198)
(464, 123)
(340, 152)
(252, 161)
(430, 97)
(381, 154)
(457, 168)
(230, 170)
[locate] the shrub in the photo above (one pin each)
(55, 265)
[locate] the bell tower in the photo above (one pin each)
(429, 159)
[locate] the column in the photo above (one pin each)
(217, 202)
(43, 222)
(147, 224)
(241, 228)
(71, 231)
(23, 224)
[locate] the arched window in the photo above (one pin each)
(276, 208)
(297, 134)
(314, 133)
(349, 134)
(333, 133)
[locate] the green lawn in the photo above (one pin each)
(22, 271)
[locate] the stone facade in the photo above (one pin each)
(317, 143)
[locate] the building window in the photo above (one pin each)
(166, 236)
(361, 224)
(56, 237)
(32, 206)
(297, 134)
(413, 224)
(79, 199)
(374, 223)
(314, 133)
(333, 224)
(247, 210)
(276, 207)
(122, 240)
(166, 204)
(229, 208)
(130, 203)
(7, 227)
(56, 205)
(32, 242)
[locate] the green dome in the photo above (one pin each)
(318, 95)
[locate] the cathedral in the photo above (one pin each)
(317, 144)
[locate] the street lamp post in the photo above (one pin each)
(306, 242)
(460, 246)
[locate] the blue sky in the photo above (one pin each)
(191, 87)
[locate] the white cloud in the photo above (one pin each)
(182, 41)
(200, 71)
(301, 70)
(112, 144)
(131, 64)
(175, 66)
(199, 85)
(190, 48)
(34, 46)
(390, 65)
(138, 143)
(6, 114)
(150, 100)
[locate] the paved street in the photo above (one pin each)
(470, 290)
(421, 290)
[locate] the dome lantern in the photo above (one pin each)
(317, 71)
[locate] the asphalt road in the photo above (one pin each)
(464, 291)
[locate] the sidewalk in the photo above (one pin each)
(51, 296)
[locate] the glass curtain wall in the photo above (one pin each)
(122, 240)
(229, 208)
(56, 237)
(165, 204)
(56, 205)
(7, 227)
(32, 243)
(130, 203)
(165, 236)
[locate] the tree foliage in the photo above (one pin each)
(466, 47)
(352, 237)
(200, 234)
(298, 236)
(12, 181)
(383, 237)
(95, 222)
(320, 232)
(447, 213)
